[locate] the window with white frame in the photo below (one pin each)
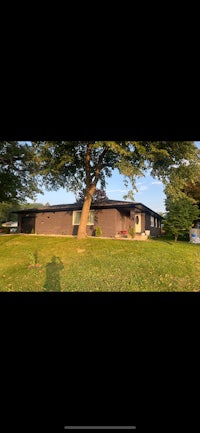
(151, 221)
(156, 222)
(77, 216)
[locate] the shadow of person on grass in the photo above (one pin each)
(53, 268)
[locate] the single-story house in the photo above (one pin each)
(112, 216)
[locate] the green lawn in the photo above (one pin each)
(27, 263)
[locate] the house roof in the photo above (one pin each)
(107, 204)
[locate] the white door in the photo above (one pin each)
(138, 223)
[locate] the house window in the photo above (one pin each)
(156, 222)
(77, 216)
(90, 221)
(151, 221)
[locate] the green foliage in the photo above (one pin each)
(129, 195)
(192, 189)
(32, 205)
(185, 173)
(98, 231)
(16, 172)
(5, 211)
(98, 196)
(30, 255)
(181, 212)
(132, 232)
(77, 165)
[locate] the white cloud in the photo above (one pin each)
(156, 182)
(116, 190)
(142, 188)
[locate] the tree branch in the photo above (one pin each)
(87, 164)
(99, 165)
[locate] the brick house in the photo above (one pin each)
(114, 217)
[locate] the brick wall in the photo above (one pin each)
(107, 219)
(58, 223)
(61, 223)
(54, 223)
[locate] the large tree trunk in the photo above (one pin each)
(82, 233)
(175, 238)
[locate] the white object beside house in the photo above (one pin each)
(195, 236)
(10, 224)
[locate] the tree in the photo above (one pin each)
(98, 196)
(192, 189)
(6, 211)
(17, 168)
(81, 166)
(181, 212)
(33, 205)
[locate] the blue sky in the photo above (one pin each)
(150, 192)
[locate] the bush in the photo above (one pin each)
(184, 237)
(5, 230)
(98, 231)
(132, 232)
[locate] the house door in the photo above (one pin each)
(28, 225)
(138, 223)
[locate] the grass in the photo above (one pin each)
(28, 263)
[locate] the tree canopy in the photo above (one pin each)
(7, 209)
(98, 196)
(181, 212)
(82, 165)
(17, 170)
(192, 189)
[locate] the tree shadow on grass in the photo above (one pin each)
(53, 268)
(168, 242)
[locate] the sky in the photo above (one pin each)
(150, 192)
